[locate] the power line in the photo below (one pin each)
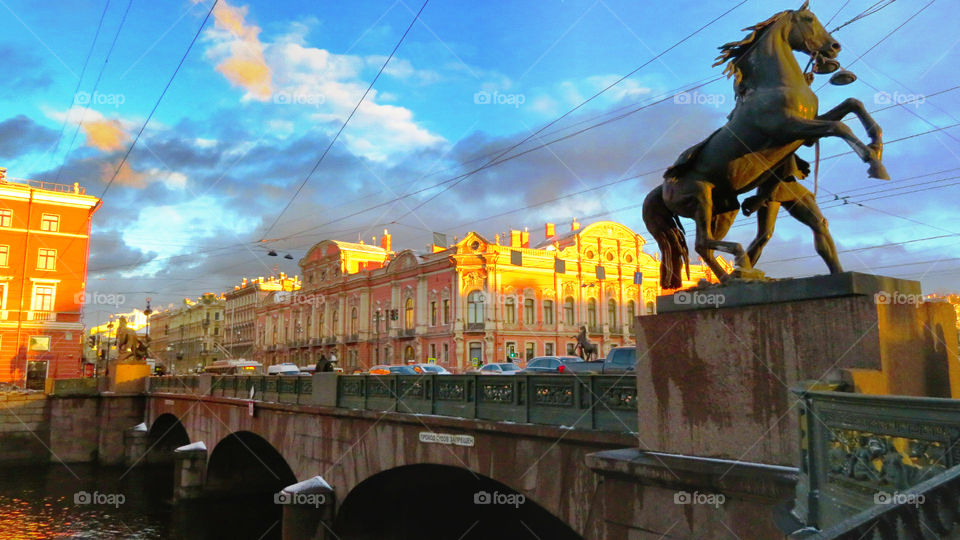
(159, 99)
(345, 122)
(588, 100)
(93, 92)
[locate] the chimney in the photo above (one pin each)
(515, 238)
(385, 241)
(525, 238)
(574, 225)
(550, 230)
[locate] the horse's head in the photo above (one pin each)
(809, 36)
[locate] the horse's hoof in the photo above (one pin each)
(877, 148)
(878, 171)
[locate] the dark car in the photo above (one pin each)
(551, 364)
(619, 360)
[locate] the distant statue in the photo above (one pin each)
(585, 349)
(130, 347)
(776, 112)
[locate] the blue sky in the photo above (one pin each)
(268, 84)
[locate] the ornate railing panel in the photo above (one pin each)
(861, 451)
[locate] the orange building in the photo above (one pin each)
(44, 240)
(475, 300)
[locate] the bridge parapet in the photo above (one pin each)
(592, 402)
(881, 459)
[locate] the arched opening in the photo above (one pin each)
(409, 355)
(165, 435)
(244, 463)
(461, 505)
(408, 314)
(612, 313)
(475, 308)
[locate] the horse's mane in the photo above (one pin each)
(733, 51)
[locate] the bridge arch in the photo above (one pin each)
(427, 501)
(166, 434)
(244, 463)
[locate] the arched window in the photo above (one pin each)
(548, 312)
(631, 311)
(592, 312)
(510, 310)
(334, 319)
(529, 311)
(409, 356)
(320, 328)
(353, 321)
(569, 315)
(408, 314)
(475, 307)
(650, 308)
(612, 312)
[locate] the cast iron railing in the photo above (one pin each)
(890, 462)
(596, 402)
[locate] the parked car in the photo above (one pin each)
(430, 369)
(286, 368)
(391, 370)
(551, 364)
(503, 368)
(619, 360)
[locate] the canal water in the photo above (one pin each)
(91, 501)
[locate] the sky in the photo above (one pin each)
(267, 86)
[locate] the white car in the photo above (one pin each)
(286, 368)
(503, 368)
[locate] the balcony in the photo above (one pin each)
(408, 332)
(46, 316)
(595, 329)
(475, 327)
(330, 340)
(352, 338)
(316, 341)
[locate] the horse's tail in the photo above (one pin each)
(667, 230)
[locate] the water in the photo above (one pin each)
(90, 501)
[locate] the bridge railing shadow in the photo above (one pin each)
(590, 402)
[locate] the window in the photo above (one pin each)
(353, 321)
(571, 347)
(47, 259)
(548, 312)
(568, 313)
(334, 319)
(476, 354)
(4, 256)
(612, 312)
(531, 350)
(408, 314)
(50, 222)
(592, 312)
(548, 349)
(409, 356)
(446, 311)
(433, 351)
(6, 217)
(43, 296)
(510, 311)
(433, 314)
(528, 311)
(216, 316)
(446, 352)
(475, 308)
(631, 311)
(320, 324)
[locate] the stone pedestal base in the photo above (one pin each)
(715, 367)
(129, 378)
(308, 510)
(134, 445)
(654, 495)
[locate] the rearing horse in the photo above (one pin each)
(776, 113)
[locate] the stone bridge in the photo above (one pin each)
(400, 464)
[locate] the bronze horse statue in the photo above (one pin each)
(776, 113)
